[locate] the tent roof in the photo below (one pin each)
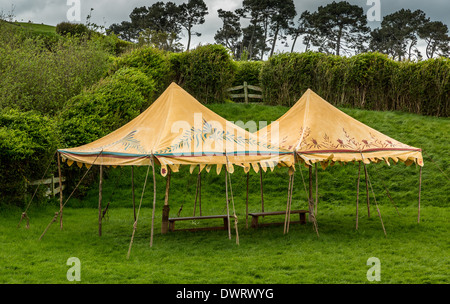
(177, 129)
(319, 132)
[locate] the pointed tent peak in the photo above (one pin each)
(175, 93)
(173, 86)
(311, 96)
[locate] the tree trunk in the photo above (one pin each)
(338, 42)
(274, 40)
(293, 43)
(189, 39)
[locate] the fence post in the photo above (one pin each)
(245, 92)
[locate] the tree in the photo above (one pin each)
(272, 18)
(192, 13)
(252, 41)
(160, 40)
(436, 36)
(230, 33)
(152, 25)
(305, 27)
(397, 36)
(125, 30)
(282, 14)
(340, 27)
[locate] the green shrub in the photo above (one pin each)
(72, 29)
(205, 72)
(286, 76)
(28, 141)
(35, 78)
(106, 106)
(150, 61)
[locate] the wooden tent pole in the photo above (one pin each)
(310, 198)
(378, 209)
(200, 192)
(166, 208)
(367, 190)
(246, 203)
(197, 188)
(357, 195)
(287, 204)
(228, 207)
(234, 209)
(311, 217)
(73, 191)
(261, 187)
(290, 203)
(317, 190)
(420, 189)
(137, 216)
(100, 185)
(132, 192)
(154, 201)
(60, 192)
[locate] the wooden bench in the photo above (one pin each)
(192, 218)
(256, 215)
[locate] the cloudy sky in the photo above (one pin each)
(107, 12)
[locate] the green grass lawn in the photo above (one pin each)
(411, 252)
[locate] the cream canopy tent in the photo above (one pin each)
(178, 130)
(317, 132)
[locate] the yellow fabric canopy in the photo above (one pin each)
(319, 132)
(178, 130)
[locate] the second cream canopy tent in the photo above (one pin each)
(317, 132)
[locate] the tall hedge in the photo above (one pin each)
(205, 72)
(248, 71)
(367, 81)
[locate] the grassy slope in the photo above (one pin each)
(410, 254)
(38, 28)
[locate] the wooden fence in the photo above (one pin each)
(246, 95)
(52, 190)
